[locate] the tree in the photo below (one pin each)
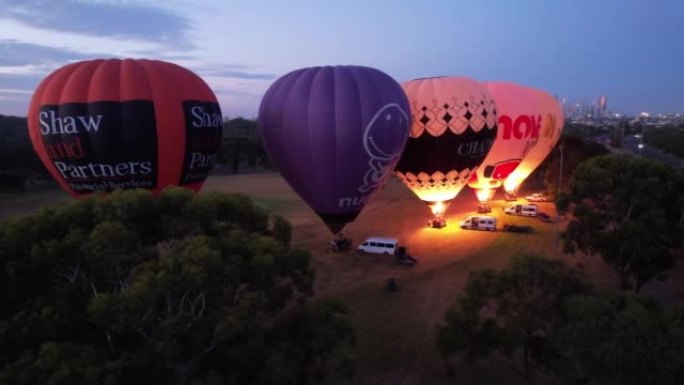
(177, 289)
(669, 139)
(282, 230)
(240, 144)
(620, 209)
(623, 339)
(511, 314)
(18, 162)
(575, 151)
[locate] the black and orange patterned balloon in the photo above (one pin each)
(454, 124)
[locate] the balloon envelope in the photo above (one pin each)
(334, 133)
(519, 123)
(550, 129)
(453, 128)
(102, 125)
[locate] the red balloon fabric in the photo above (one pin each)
(102, 125)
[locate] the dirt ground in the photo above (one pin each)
(395, 330)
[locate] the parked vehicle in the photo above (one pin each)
(378, 245)
(536, 197)
(517, 229)
(544, 217)
(479, 222)
(404, 258)
(524, 210)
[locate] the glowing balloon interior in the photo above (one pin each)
(550, 131)
(102, 125)
(335, 134)
(519, 124)
(453, 128)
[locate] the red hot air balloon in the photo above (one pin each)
(453, 128)
(102, 125)
(335, 134)
(519, 124)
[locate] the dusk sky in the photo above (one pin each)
(631, 51)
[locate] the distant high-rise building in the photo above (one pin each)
(601, 107)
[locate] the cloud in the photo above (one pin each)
(24, 65)
(17, 54)
(16, 92)
(84, 44)
(23, 82)
(118, 19)
(238, 74)
(238, 96)
(12, 91)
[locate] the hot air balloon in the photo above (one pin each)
(454, 123)
(101, 125)
(519, 125)
(334, 133)
(550, 130)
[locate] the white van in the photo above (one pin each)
(378, 245)
(479, 222)
(519, 209)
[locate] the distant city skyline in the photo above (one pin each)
(628, 51)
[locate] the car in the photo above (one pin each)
(544, 217)
(517, 229)
(404, 258)
(536, 197)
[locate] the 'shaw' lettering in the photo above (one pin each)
(201, 118)
(52, 124)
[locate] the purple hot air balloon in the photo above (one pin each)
(335, 134)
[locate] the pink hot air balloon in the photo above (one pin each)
(519, 123)
(550, 131)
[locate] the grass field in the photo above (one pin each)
(395, 331)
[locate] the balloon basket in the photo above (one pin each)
(340, 244)
(437, 222)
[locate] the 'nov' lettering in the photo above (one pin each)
(524, 126)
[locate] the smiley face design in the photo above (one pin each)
(383, 152)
